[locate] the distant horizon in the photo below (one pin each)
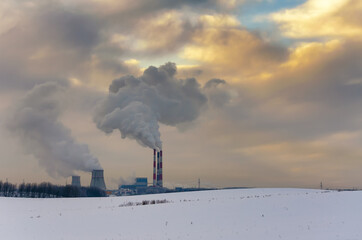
(68, 181)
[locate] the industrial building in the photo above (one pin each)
(139, 187)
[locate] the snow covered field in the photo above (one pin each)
(265, 214)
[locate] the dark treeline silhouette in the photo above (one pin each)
(47, 190)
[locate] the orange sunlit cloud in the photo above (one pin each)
(321, 18)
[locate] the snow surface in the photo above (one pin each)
(265, 214)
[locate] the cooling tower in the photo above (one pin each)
(76, 181)
(98, 179)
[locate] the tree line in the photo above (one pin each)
(47, 190)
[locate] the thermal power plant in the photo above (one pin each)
(76, 181)
(157, 169)
(98, 179)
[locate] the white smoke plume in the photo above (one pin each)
(35, 122)
(127, 181)
(135, 105)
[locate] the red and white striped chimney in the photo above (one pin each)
(158, 169)
(154, 167)
(160, 183)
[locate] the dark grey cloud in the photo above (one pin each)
(65, 28)
(212, 83)
(51, 41)
(55, 40)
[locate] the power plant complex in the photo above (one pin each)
(140, 185)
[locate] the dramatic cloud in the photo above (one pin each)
(233, 52)
(283, 98)
(35, 122)
(56, 41)
(303, 118)
(164, 34)
(134, 106)
(90, 41)
(321, 18)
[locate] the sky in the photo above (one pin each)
(259, 93)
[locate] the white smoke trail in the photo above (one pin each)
(35, 122)
(135, 106)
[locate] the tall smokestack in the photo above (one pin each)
(154, 167)
(98, 179)
(76, 181)
(158, 168)
(160, 183)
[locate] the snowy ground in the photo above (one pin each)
(265, 214)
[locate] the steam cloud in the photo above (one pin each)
(135, 105)
(35, 122)
(218, 92)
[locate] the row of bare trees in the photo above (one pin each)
(47, 190)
